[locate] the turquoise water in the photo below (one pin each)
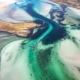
(49, 53)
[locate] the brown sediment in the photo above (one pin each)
(70, 3)
(21, 29)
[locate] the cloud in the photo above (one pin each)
(8, 1)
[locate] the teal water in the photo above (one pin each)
(52, 54)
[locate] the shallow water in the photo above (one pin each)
(50, 52)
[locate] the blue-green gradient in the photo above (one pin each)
(38, 56)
